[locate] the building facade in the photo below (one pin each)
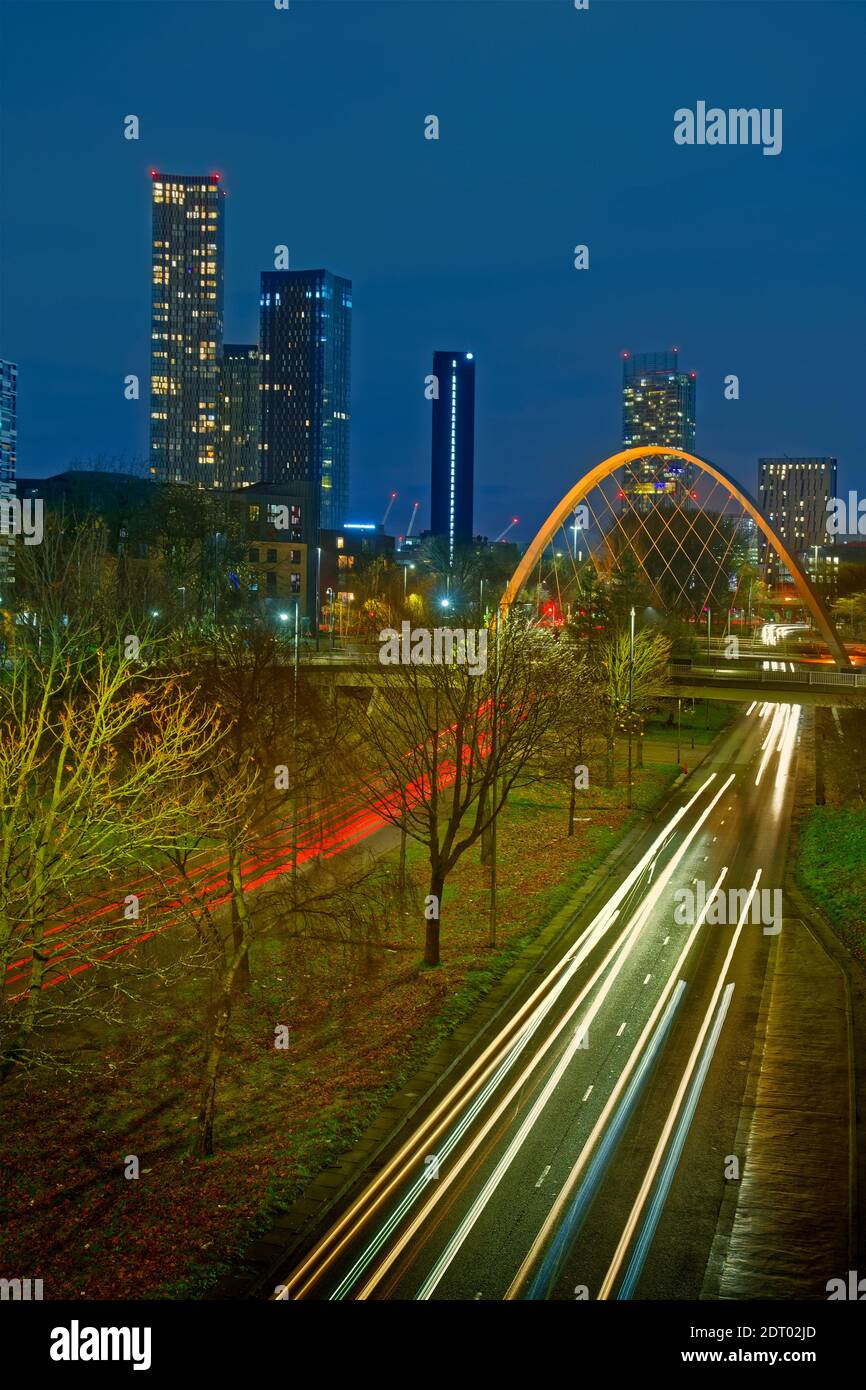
(793, 493)
(278, 523)
(240, 414)
(8, 465)
(658, 407)
(186, 328)
(305, 343)
(452, 475)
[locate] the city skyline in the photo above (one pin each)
(433, 669)
(548, 387)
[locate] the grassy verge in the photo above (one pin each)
(831, 853)
(699, 725)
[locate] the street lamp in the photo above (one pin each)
(330, 593)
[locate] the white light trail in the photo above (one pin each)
(649, 1177)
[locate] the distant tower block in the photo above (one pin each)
(453, 461)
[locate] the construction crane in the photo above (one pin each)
(415, 506)
(393, 499)
(513, 522)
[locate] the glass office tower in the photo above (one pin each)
(305, 343)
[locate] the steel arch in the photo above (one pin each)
(575, 495)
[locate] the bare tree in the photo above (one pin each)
(97, 756)
(288, 752)
(618, 676)
(447, 741)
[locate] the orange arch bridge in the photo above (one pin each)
(596, 475)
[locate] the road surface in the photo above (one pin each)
(585, 1151)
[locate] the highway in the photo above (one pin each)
(581, 1151)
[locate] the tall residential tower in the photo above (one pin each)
(658, 407)
(186, 328)
(305, 344)
(793, 494)
(240, 414)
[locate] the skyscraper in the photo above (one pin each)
(793, 494)
(240, 414)
(306, 338)
(453, 459)
(658, 407)
(186, 328)
(8, 446)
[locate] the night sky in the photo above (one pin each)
(556, 129)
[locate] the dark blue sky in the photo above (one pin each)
(556, 128)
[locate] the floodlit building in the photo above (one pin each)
(658, 407)
(186, 328)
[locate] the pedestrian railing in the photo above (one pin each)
(855, 680)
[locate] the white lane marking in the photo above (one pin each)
(543, 1176)
(586, 1094)
(666, 940)
(647, 980)
(620, 1030)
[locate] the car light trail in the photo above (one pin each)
(647, 1231)
(656, 1159)
(555, 1215)
(768, 746)
(621, 949)
(786, 753)
(571, 1224)
(412, 1152)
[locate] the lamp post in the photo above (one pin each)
(709, 620)
(630, 699)
(330, 593)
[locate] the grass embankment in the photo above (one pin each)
(358, 1027)
(831, 869)
(699, 724)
